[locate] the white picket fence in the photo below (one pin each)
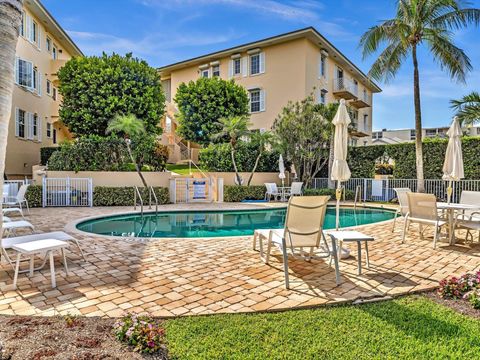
(67, 192)
(382, 189)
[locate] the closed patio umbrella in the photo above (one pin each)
(340, 170)
(453, 164)
(281, 168)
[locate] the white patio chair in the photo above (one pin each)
(272, 191)
(469, 219)
(303, 229)
(12, 210)
(402, 203)
(9, 227)
(422, 209)
(19, 199)
(296, 189)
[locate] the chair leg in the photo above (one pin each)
(435, 236)
(31, 265)
(255, 234)
(269, 247)
(52, 270)
(285, 263)
(80, 249)
(335, 260)
(394, 221)
(405, 225)
(17, 267)
(65, 261)
(366, 255)
(28, 209)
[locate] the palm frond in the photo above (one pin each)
(374, 37)
(389, 62)
(129, 125)
(468, 108)
(457, 19)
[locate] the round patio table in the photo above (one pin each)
(450, 208)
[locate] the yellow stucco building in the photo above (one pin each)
(42, 48)
(276, 70)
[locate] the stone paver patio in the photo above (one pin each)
(165, 277)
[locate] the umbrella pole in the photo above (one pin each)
(449, 191)
(338, 195)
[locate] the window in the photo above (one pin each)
(54, 93)
(49, 44)
(54, 52)
(255, 64)
(54, 136)
(49, 130)
(353, 142)
(257, 100)
(33, 36)
(34, 125)
(323, 63)
(377, 135)
(49, 87)
(205, 73)
(431, 133)
(22, 25)
(323, 96)
(365, 122)
(20, 117)
(35, 78)
(478, 130)
(216, 70)
(237, 66)
(413, 134)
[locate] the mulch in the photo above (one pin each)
(459, 305)
(38, 338)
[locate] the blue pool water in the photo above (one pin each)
(217, 223)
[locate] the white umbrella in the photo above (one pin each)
(340, 170)
(281, 168)
(293, 171)
(453, 164)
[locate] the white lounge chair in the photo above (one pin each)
(9, 227)
(19, 200)
(303, 229)
(12, 210)
(422, 209)
(272, 191)
(8, 243)
(402, 203)
(469, 219)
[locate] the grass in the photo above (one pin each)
(411, 327)
(182, 169)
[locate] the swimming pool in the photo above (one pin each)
(192, 224)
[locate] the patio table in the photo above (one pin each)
(450, 208)
(284, 190)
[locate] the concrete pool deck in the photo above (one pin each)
(172, 277)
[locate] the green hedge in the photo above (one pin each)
(46, 153)
(216, 157)
(349, 195)
(104, 196)
(235, 193)
(362, 159)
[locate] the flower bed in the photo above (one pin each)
(465, 287)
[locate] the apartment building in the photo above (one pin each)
(42, 48)
(276, 70)
(399, 136)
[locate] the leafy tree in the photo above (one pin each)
(416, 23)
(97, 88)
(129, 126)
(203, 103)
(468, 108)
(262, 140)
(148, 150)
(304, 137)
(233, 128)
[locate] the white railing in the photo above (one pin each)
(67, 192)
(382, 189)
(190, 190)
(343, 84)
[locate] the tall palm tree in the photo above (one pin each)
(234, 128)
(468, 108)
(10, 18)
(129, 126)
(262, 140)
(420, 22)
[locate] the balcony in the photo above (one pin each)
(361, 102)
(345, 88)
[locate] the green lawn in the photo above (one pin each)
(406, 328)
(182, 169)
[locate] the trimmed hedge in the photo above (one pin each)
(216, 157)
(235, 193)
(46, 153)
(104, 196)
(349, 195)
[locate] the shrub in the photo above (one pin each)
(473, 298)
(96, 88)
(216, 157)
(349, 195)
(149, 150)
(235, 193)
(457, 287)
(141, 332)
(46, 153)
(34, 196)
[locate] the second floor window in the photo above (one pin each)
(237, 66)
(22, 25)
(54, 93)
(48, 44)
(49, 130)
(20, 116)
(49, 87)
(24, 73)
(257, 100)
(255, 64)
(413, 135)
(323, 66)
(54, 52)
(365, 122)
(216, 70)
(205, 73)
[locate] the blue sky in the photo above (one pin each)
(166, 31)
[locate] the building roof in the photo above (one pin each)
(310, 33)
(54, 28)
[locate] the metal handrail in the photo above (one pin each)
(150, 193)
(137, 193)
(200, 170)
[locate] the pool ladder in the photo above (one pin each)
(138, 200)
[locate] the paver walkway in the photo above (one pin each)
(165, 277)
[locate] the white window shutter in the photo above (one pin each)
(39, 83)
(17, 70)
(39, 128)
(28, 125)
(262, 100)
(29, 71)
(39, 40)
(28, 27)
(245, 66)
(17, 122)
(262, 62)
(230, 69)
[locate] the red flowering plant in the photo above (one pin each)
(457, 287)
(142, 332)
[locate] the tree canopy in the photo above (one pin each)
(202, 103)
(97, 88)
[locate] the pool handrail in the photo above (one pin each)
(150, 193)
(139, 195)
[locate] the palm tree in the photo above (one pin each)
(262, 139)
(10, 18)
(234, 128)
(416, 23)
(468, 108)
(129, 126)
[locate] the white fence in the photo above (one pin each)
(67, 192)
(382, 189)
(11, 187)
(189, 190)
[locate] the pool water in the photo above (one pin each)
(194, 224)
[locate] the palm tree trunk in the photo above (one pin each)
(237, 175)
(331, 183)
(418, 122)
(257, 160)
(10, 17)
(137, 168)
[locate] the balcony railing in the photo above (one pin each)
(345, 88)
(362, 101)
